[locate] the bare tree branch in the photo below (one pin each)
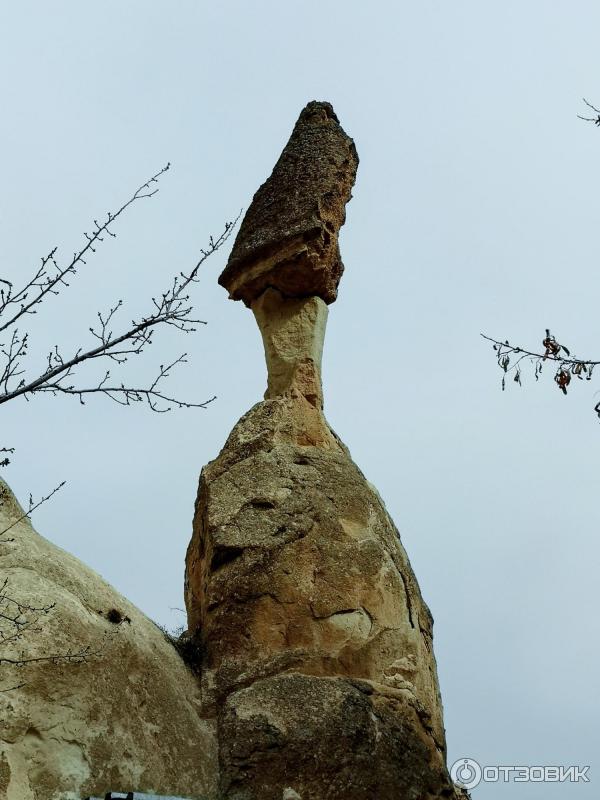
(4, 462)
(32, 507)
(596, 119)
(69, 656)
(172, 308)
(43, 283)
(18, 618)
(126, 396)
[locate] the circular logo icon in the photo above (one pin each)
(466, 773)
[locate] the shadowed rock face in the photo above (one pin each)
(288, 239)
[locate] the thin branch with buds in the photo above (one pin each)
(596, 119)
(172, 307)
(50, 276)
(33, 506)
(4, 462)
(126, 396)
(18, 618)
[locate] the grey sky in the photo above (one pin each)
(475, 210)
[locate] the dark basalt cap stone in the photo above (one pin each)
(288, 239)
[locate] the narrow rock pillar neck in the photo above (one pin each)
(293, 332)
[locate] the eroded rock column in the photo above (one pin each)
(318, 662)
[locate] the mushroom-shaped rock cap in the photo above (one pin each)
(288, 239)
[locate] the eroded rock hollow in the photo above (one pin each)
(318, 662)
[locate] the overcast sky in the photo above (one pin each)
(475, 209)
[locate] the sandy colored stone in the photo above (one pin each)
(317, 646)
(127, 719)
(288, 238)
(299, 588)
(293, 332)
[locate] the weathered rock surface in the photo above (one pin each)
(126, 719)
(288, 239)
(293, 333)
(318, 661)
(326, 738)
(318, 645)
(318, 679)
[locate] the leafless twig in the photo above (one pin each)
(19, 618)
(596, 119)
(173, 307)
(32, 507)
(50, 276)
(4, 462)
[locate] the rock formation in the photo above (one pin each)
(316, 678)
(126, 718)
(318, 665)
(289, 236)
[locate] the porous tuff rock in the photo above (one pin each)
(293, 333)
(329, 739)
(289, 236)
(318, 660)
(318, 645)
(126, 719)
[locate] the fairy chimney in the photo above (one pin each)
(318, 664)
